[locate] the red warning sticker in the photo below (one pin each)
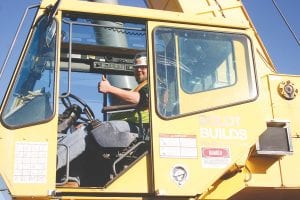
(215, 157)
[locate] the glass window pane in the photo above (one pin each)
(206, 61)
(31, 99)
(166, 82)
(199, 66)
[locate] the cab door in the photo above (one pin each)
(28, 130)
(204, 82)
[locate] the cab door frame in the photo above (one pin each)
(178, 141)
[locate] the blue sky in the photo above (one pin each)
(281, 45)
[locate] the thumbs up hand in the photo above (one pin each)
(104, 85)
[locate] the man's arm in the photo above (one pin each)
(128, 96)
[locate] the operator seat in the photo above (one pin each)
(114, 139)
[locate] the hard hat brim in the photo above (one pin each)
(135, 66)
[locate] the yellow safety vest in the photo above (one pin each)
(133, 116)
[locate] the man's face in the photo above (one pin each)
(141, 73)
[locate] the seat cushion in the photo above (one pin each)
(113, 134)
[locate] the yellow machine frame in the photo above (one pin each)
(248, 173)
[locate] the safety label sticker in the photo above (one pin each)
(215, 157)
(30, 162)
(178, 146)
(179, 174)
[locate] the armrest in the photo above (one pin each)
(117, 108)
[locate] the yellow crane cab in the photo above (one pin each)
(221, 122)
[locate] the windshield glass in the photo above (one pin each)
(31, 99)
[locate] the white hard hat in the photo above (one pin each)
(140, 60)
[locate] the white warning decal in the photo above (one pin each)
(215, 157)
(31, 162)
(178, 146)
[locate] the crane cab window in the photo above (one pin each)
(31, 100)
(200, 67)
(206, 61)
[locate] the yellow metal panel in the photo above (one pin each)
(135, 180)
(208, 130)
(226, 188)
(287, 110)
(290, 166)
(39, 134)
(264, 175)
(284, 109)
(171, 5)
(144, 13)
(263, 171)
(200, 175)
